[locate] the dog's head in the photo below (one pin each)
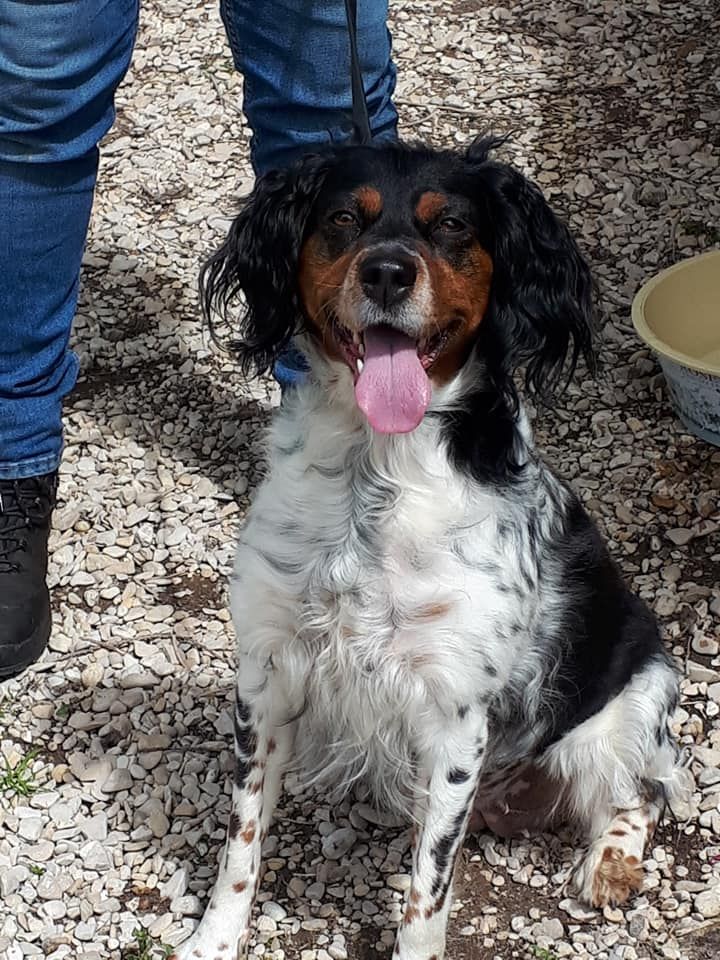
(400, 262)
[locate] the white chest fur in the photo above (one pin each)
(380, 585)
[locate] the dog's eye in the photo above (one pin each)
(343, 218)
(451, 225)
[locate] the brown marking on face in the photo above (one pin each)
(272, 745)
(320, 280)
(370, 202)
(636, 826)
(434, 957)
(651, 828)
(429, 911)
(430, 206)
(234, 824)
(257, 786)
(432, 611)
(249, 835)
(618, 833)
(414, 896)
(239, 886)
(411, 914)
(460, 296)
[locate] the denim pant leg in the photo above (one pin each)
(295, 59)
(60, 64)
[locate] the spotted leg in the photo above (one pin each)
(262, 747)
(452, 759)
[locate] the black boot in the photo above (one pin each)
(25, 510)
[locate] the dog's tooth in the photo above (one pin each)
(360, 365)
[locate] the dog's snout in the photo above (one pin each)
(388, 276)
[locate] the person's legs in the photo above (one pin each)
(295, 59)
(60, 64)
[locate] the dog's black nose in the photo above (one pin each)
(388, 276)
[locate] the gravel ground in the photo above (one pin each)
(116, 746)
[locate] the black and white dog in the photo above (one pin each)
(420, 602)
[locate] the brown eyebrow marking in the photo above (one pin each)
(370, 201)
(430, 205)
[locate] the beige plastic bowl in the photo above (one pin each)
(677, 313)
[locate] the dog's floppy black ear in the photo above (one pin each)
(259, 260)
(542, 293)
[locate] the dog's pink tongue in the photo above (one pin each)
(393, 390)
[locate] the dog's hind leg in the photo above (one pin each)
(262, 748)
(451, 760)
(620, 769)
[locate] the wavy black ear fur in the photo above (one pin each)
(541, 310)
(259, 260)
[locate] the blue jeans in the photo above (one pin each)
(60, 64)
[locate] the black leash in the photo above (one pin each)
(360, 117)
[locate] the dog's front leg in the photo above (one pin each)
(452, 761)
(263, 743)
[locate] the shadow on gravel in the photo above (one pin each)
(207, 424)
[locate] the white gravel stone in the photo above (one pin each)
(176, 884)
(85, 930)
(679, 536)
(11, 878)
(274, 911)
(119, 779)
(576, 910)
(338, 843)
(188, 905)
(54, 909)
(158, 823)
(30, 828)
(95, 856)
(95, 828)
(707, 903)
(399, 881)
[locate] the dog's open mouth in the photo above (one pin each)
(390, 370)
(352, 345)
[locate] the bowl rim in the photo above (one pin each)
(645, 332)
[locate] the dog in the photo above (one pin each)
(421, 604)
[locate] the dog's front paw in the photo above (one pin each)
(211, 945)
(607, 876)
